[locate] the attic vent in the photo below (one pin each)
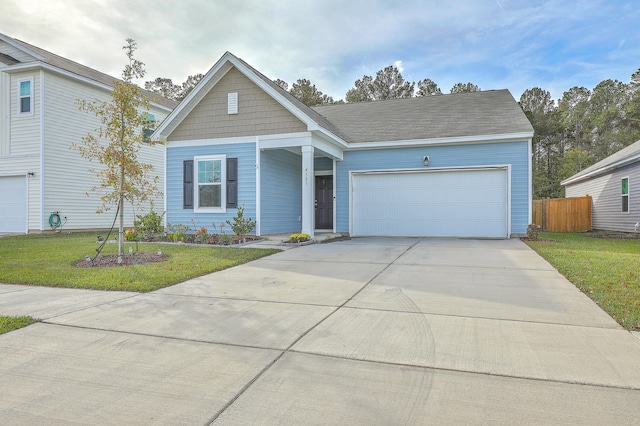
(232, 103)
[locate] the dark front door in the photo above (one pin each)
(324, 202)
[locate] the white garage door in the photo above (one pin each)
(444, 203)
(13, 204)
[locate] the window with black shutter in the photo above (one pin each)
(187, 184)
(232, 182)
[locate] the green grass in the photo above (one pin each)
(607, 270)
(8, 324)
(49, 259)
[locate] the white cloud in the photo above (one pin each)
(492, 43)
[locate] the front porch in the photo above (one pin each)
(296, 186)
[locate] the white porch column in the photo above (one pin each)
(308, 198)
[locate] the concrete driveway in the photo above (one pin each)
(367, 331)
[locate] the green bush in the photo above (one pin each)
(533, 231)
(150, 224)
(242, 225)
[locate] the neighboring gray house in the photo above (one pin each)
(614, 185)
(447, 165)
(39, 119)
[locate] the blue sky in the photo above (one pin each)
(513, 44)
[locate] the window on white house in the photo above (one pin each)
(210, 188)
(147, 129)
(625, 195)
(25, 96)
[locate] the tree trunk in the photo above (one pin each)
(121, 213)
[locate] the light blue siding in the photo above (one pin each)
(281, 191)
(514, 153)
(246, 154)
(321, 164)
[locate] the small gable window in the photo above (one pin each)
(25, 96)
(147, 129)
(625, 195)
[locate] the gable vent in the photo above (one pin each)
(232, 103)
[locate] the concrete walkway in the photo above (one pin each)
(366, 331)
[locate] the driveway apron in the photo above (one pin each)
(364, 331)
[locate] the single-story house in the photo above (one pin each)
(447, 165)
(39, 119)
(613, 185)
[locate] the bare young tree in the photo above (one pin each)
(117, 143)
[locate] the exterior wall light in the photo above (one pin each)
(425, 160)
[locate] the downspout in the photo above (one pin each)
(258, 209)
(530, 157)
(41, 177)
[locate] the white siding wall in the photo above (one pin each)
(20, 152)
(24, 129)
(67, 176)
(4, 114)
(607, 198)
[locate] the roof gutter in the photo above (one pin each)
(506, 137)
(618, 164)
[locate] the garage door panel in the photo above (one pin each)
(460, 203)
(13, 208)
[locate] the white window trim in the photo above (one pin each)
(625, 195)
(223, 185)
(31, 97)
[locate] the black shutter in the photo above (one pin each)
(187, 184)
(232, 182)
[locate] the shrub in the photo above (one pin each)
(150, 224)
(298, 238)
(177, 232)
(533, 231)
(242, 225)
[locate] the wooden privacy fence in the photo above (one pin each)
(563, 214)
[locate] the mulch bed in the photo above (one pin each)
(127, 260)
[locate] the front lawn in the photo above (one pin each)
(8, 324)
(49, 259)
(607, 270)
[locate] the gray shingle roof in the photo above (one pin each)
(489, 112)
(8, 60)
(625, 156)
(84, 71)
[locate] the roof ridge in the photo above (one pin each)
(415, 98)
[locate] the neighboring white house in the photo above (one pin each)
(39, 119)
(614, 187)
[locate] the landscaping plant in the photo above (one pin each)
(242, 225)
(117, 143)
